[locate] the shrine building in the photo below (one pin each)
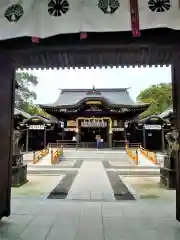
(84, 113)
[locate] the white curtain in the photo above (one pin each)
(45, 18)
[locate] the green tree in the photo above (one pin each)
(159, 96)
(25, 96)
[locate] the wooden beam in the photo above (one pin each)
(176, 108)
(7, 87)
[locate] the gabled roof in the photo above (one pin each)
(22, 113)
(43, 119)
(167, 113)
(113, 97)
(152, 118)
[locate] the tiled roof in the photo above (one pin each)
(22, 113)
(113, 97)
(166, 113)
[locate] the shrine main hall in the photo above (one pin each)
(84, 113)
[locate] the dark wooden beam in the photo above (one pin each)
(176, 108)
(154, 47)
(7, 87)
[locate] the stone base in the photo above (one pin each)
(19, 176)
(168, 178)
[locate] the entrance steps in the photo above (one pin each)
(112, 161)
(92, 154)
(123, 170)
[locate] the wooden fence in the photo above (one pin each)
(37, 156)
(133, 154)
(149, 155)
(56, 155)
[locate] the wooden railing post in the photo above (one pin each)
(51, 156)
(137, 160)
(34, 157)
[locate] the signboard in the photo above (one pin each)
(36, 127)
(93, 123)
(93, 102)
(118, 129)
(35, 119)
(71, 123)
(152, 127)
(94, 109)
(69, 129)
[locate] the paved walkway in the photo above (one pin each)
(91, 183)
(34, 217)
(73, 220)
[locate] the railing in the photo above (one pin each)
(37, 156)
(119, 144)
(56, 155)
(133, 154)
(149, 155)
(73, 144)
(66, 143)
(134, 145)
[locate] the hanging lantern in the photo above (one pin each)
(134, 11)
(62, 124)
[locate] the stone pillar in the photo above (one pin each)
(176, 108)
(7, 89)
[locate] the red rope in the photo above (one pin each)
(134, 11)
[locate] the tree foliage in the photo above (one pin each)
(25, 96)
(159, 96)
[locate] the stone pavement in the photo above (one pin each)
(91, 183)
(73, 220)
(33, 216)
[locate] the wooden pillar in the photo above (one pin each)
(144, 137)
(7, 88)
(176, 109)
(77, 138)
(162, 139)
(45, 137)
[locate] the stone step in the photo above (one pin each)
(56, 171)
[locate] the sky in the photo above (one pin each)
(136, 79)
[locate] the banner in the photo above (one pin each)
(45, 18)
(159, 13)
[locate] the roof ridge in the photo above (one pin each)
(96, 89)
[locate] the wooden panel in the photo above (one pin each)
(7, 85)
(153, 47)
